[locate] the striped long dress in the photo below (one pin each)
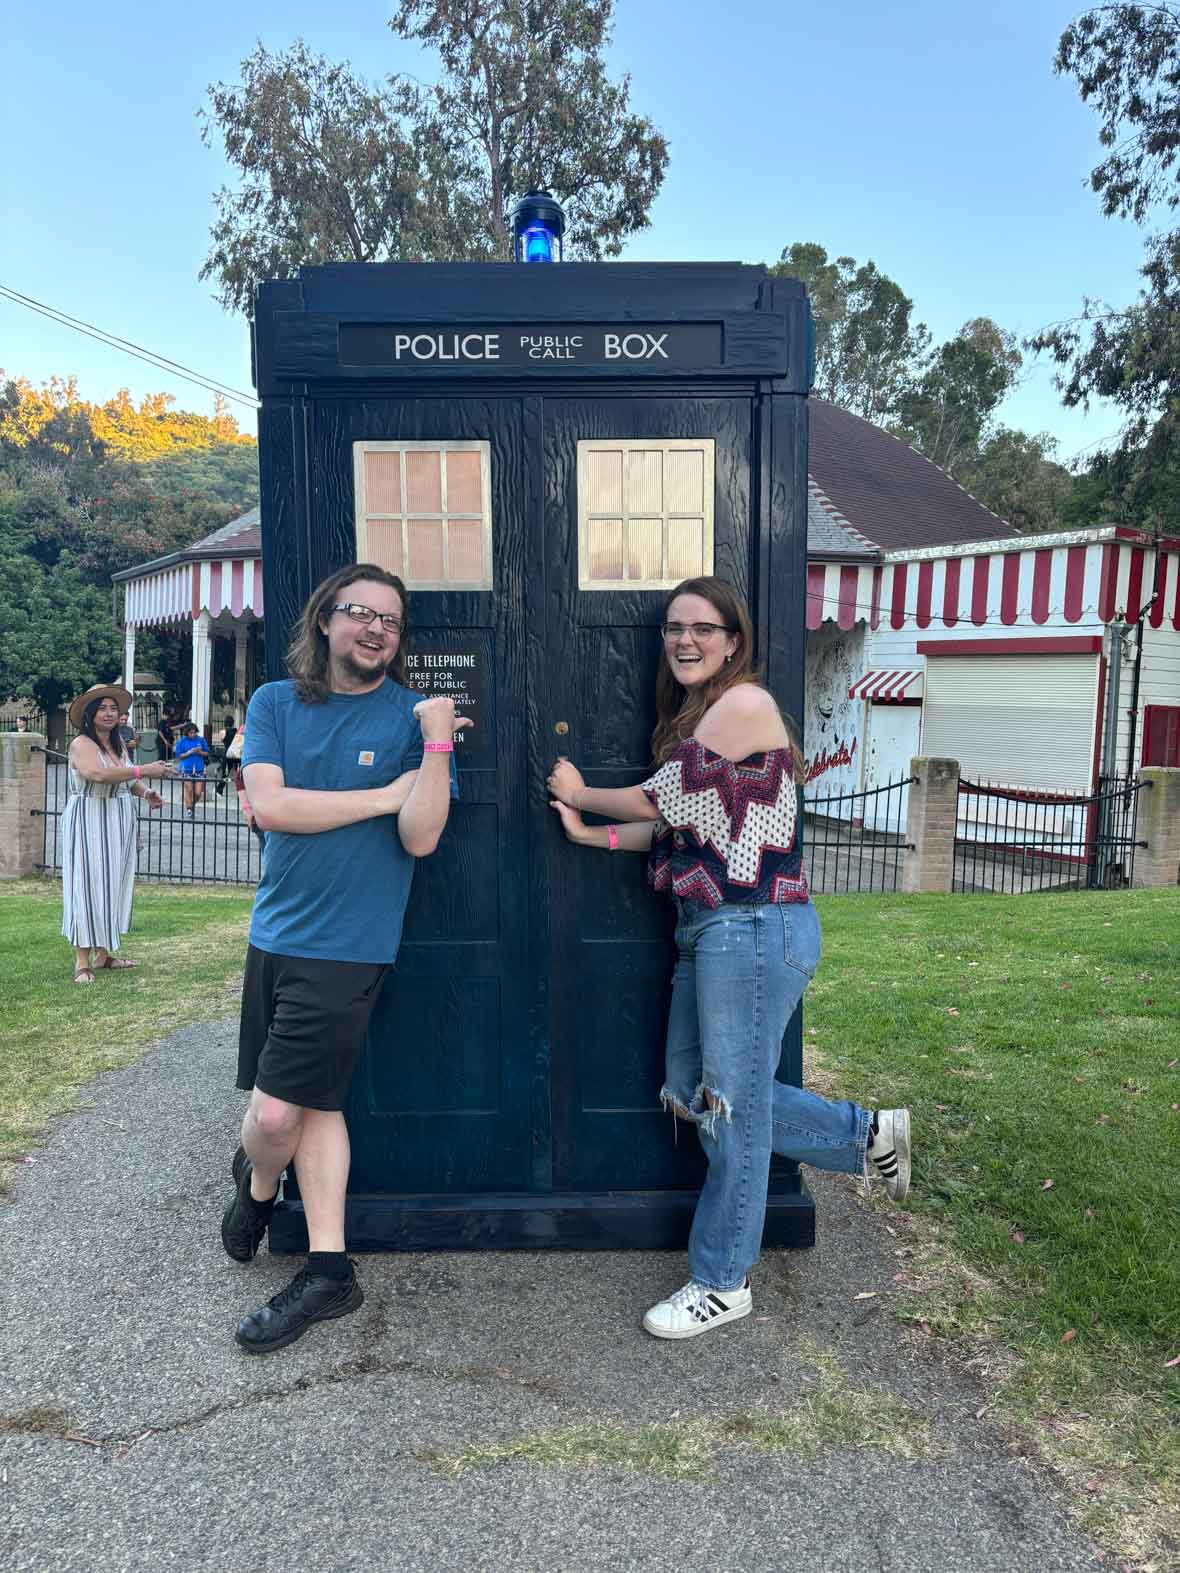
(98, 831)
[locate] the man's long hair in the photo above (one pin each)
(678, 709)
(307, 657)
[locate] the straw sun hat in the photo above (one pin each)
(100, 691)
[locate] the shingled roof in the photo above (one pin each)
(830, 536)
(240, 535)
(886, 491)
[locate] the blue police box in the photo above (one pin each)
(540, 453)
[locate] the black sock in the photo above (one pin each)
(873, 1130)
(329, 1264)
(266, 1207)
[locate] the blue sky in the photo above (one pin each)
(933, 138)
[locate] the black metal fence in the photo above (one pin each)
(1007, 839)
(1014, 840)
(856, 841)
(211, 845)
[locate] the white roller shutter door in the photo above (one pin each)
(1016, 720)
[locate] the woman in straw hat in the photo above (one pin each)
(98, 831)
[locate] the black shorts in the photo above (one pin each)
(303, 1026)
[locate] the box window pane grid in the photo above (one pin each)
(423, 511)
(645, 513)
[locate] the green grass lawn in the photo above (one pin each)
(1037, 1041)
(190, 945)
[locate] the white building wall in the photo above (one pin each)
(832, 723)
(1159, 684)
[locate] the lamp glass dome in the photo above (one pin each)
(538, 225)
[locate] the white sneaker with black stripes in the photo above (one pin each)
(889, 1151)
(696, 1308)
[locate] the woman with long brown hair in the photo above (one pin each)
(98, 832)
(717, 820)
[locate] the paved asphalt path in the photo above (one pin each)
(117, 1307)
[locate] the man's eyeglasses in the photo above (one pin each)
(390, 621)
(700, 631)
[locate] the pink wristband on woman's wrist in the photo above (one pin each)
(612, 838)
(136, 772)
(438, 748)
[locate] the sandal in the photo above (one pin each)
(83, 975)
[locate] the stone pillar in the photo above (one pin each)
(202, 670)
(129, 660)
(930, 825)
(241, 645)
(1158, 823)
(22, 789)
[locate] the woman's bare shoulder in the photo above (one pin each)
(744, 699)
(745, 720)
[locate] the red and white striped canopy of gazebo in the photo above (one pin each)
(168, 595)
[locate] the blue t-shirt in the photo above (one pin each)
(189, 754)
(337, 895)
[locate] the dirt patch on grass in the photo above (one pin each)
(833, 1413)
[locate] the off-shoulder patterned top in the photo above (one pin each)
(727, 831)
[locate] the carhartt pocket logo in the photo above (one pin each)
(365, 757)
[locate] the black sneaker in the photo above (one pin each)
(309, 1297)
(236, 1167)
(246, 1220)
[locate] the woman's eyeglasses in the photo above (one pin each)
(391, 623)
(700, 631)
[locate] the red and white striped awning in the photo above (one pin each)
(890, 684)
(1070, 581)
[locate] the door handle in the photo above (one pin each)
(561, 727)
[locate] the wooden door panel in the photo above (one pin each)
(612, 954)
(616, 675)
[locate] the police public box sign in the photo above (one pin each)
(531, 346)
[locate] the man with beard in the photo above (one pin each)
(350, 775)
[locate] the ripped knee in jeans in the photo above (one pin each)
(706, 1106)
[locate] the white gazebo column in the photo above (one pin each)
(241, 633)
(202, 669)
(129, 659)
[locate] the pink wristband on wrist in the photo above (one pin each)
(612, 838)
(137, 772)
(438, 748)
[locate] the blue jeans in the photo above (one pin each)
(740, 973)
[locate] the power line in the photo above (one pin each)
(127, 347)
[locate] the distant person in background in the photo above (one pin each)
(98, 832)
(22, 723)
(128, 736)
(166, 732)
(226, 742)
(190, 754)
